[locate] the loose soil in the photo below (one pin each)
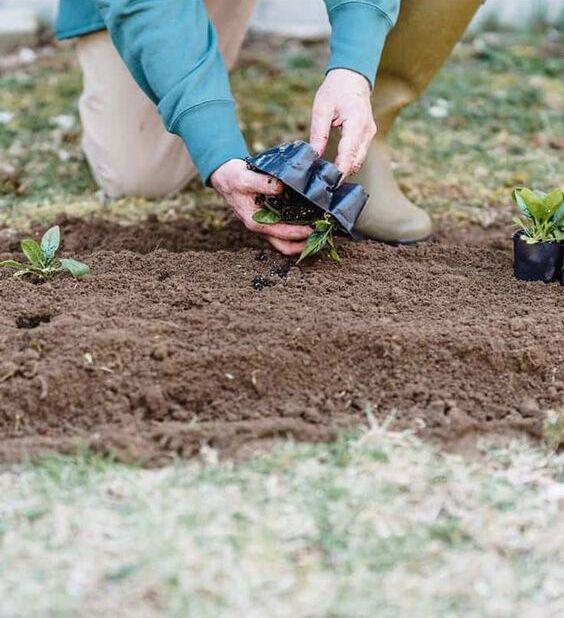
(185, 335)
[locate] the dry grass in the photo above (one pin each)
(376, 525)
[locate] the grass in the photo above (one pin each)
(377, 524)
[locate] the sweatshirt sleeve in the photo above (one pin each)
(171, 49)
(358, 32)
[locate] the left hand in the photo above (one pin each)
(343, 101)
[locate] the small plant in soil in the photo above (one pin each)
(291, 207)
(543, 215)
(538, 245)
(43, 262)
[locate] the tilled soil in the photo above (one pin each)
(171, 344)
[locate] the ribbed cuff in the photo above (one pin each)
(358, 34)
(212, 135)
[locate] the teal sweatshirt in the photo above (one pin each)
(171, 49)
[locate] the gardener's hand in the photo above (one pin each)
(239, 186)
(343, 101)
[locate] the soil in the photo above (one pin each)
(186, 335)
(291, 206)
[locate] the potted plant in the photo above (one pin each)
(538, 242)
(313, 195)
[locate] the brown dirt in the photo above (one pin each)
(168, 345)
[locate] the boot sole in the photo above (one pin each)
(397, 243)
(406, 243)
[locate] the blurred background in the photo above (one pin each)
(492, 119)
(25, 21)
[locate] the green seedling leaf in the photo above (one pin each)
(32, 252)
(323, 225)
(558, 217)
(519, 222)
(11, 264)
(553, 201)
(316, 242)
(266, 216)
(521, 204)
(534, 204)
(333, 253)
(50, 243)
(75, 268)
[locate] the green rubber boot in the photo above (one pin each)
(415, 50)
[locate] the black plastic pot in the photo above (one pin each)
(541, 261)
(299, 167)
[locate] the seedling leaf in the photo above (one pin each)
(553, 201)
(50, 243)
(266, 216)
(32, 252)
(521, 204)
(12, 264)
(534, 203)
(558, 217)
(75, 268)
(323, 225)
(333, 253)
(315, 243)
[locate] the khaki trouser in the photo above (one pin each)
(124, 139)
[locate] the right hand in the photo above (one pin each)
(239, 186)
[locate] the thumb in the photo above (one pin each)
(262, 183)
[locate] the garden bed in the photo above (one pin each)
(170, 345)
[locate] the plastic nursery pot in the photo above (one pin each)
(541, 261)
(298, 166)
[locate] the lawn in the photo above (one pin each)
(376, 523)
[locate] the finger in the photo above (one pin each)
(321, 121)
(261, 183)
(282, 231)
(287, 247)
(369, 135)
(349, 148)
(360, 157)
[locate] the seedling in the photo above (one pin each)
(290, 207)
(544, 215)
(43, 261)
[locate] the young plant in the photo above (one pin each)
(43, 261)
(292, 208)
(544, 215)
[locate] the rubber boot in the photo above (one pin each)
(415, 50)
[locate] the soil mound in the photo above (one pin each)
(172, 343)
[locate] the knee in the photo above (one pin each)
(145, 182)
(137, 175)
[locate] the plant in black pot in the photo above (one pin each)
(538, 244)
(313, 195)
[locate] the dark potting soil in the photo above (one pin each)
(169, 345)
(291, 206)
